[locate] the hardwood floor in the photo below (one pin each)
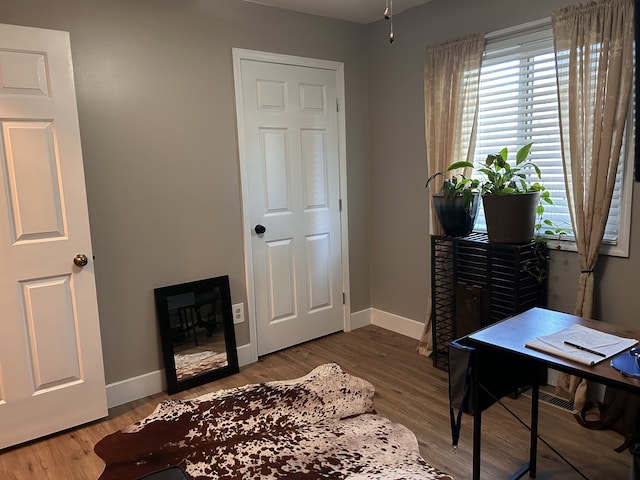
(409, 390)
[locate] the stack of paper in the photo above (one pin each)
(581, 344)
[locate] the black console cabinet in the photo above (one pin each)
(475, 283)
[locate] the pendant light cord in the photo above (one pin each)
(388, 15)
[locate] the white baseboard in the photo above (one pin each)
(244, 355)
(361, 319)
(396, 323)
(131, 389)
(134, 388)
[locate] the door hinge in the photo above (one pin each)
(344, 298)
(339, 204)
(337, 104)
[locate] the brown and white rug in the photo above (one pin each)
(322, 425)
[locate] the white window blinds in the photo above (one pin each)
(518, 105)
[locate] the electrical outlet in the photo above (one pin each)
(238, 312)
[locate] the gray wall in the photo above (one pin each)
(400, 247)
(154, 82)
(155, 94)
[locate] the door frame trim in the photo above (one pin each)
(240, 54)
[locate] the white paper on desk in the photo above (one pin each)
(607, 344)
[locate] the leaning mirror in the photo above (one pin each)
(196, 329)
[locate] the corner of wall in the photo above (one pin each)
(360, 319)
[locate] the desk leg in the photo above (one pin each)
(477, 415)
(533, 440)
(533, 446)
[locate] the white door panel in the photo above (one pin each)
(290, 150)
(51, 371)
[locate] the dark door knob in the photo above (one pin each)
(260, 229)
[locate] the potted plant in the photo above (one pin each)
(513, 206)
(510, 201)
(457, 203)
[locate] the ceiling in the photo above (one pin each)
(361, 11)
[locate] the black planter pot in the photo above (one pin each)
(511, 218)
(456, 221)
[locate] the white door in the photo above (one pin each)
(51, 372)
(288, 124)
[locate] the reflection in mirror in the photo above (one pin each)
(196, 328)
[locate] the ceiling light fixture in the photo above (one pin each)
(388, 15)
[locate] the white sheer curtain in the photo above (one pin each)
(594, 65)
(451, 74)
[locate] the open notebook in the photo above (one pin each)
(581, 344)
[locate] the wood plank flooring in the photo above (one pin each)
(409, 390)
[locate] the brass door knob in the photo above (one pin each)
(80, 260)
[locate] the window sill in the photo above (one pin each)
(609, 249)
(569, 245)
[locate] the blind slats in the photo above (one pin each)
(518, 104)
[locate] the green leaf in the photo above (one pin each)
(467, 195)
(456, 165)
(523, 184)
(523, 153)
(431, 178)
(537, 169)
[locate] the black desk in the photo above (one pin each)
(502, 344)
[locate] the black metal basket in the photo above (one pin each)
(476, 283)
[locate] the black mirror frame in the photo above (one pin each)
(161, 295)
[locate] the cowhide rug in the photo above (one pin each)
(192, 364)
(322, 425)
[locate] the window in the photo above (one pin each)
(518, 105)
